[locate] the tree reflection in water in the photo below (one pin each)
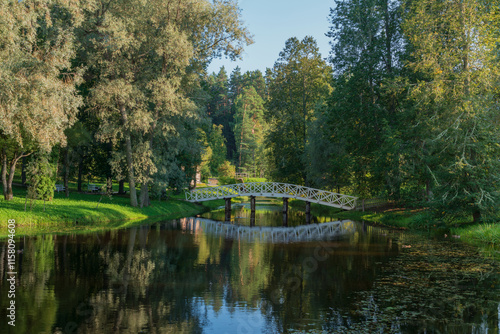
(163, 279)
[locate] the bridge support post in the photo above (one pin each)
(227, 216)
(308, 212)
(285, 211)
(252, 210)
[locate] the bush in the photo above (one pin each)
(227, 180)
(227, 170)
(40, 178)
(422, 220)
(254, 179)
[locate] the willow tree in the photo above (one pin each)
(455, 47)
(38, 99)
(145, 56)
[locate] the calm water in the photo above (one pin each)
(170, 278)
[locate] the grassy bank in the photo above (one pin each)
(85, 212)
(485, 235)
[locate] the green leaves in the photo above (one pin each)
(297, 84)
(455, 52)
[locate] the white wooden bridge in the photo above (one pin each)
(300, 233)
(273, 189)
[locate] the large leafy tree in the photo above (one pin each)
(297, 84)
(147, 55)
(455, 45)
(38, 99)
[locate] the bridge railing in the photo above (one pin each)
(269, 234)
(273, 189)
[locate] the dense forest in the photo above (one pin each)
(405, 107)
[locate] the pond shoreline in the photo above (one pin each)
(482, 235)
(82, 213)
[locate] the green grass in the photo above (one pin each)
(482, 233)
(81, 212)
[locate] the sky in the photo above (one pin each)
(272, 22)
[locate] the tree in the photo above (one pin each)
(455, 46)
(220, 108)
(38, 98)
(363, 119)
(217, 143)
(41, 181)
(147, 55)
(250, 128)
(297, 84)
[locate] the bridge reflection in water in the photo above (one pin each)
(309, 232)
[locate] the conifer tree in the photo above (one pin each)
(297, 84)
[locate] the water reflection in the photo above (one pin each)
(166, 279)
(301, 233)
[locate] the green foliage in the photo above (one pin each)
(297, 84)
(38, 96)
(217, 143)
(484, 234)
(226, 169)
(40, 177)
(250, 128)
(455, 104)
(255, 179)
(359, 128)
(144, 58)
(79, 214)
(227, 180)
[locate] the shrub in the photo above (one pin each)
(255, 179)
(227, 180)
(227, 170)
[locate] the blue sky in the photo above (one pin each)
(272, 22)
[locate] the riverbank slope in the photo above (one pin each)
(86, 212)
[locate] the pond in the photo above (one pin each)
(172, 278)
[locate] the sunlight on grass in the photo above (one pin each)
(84, 212)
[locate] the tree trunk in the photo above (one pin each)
(144, 196)
(476, 216)
(23, 172)
(10, 194)
(66, 172)
(130, 167)
(80, 172)
(4, 174)
(8, 178)
(130, 162)
(121, 187)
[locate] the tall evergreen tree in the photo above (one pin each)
(367, 48)
(220, 108)
(250, 128)
(297, 84)
(455, 50)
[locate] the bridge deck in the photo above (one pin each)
(273, 189)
